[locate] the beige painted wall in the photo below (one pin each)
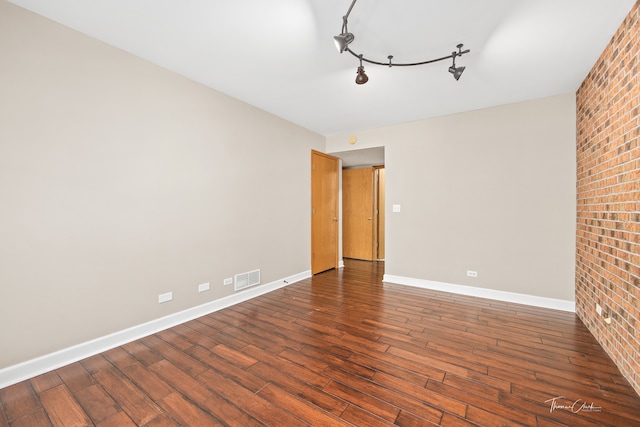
(491, 190)
(120, 181)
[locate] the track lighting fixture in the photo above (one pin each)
(361, 78)
(344, 39)
(456, 71)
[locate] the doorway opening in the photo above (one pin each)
(327, 231)
(362, 204)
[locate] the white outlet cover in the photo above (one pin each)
(204, 287)
(396, 208)
(471, 273)
(228, 281)
(165, 297)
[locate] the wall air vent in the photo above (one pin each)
(246, 280)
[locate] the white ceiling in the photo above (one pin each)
(279, 55)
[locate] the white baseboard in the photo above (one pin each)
(31, 368)
(536, 301)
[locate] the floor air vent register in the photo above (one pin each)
(246, 280)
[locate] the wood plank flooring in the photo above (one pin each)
(340, 349)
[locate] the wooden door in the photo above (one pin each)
(324, 212)
(358, 213)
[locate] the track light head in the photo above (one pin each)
(361, 78)
(342, 41)
(456, 71)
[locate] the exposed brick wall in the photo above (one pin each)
(608, 199)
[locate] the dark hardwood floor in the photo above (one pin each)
(342, 349)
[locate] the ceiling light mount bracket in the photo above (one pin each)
(344, 39)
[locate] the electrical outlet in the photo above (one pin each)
(472, 273)
(599, 309)
(165, 297)
(228, 281)
(204, 287)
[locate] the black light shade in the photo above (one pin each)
(456, 71)
(342, 41)
(361, 78)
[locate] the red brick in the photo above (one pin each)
(608, 198)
